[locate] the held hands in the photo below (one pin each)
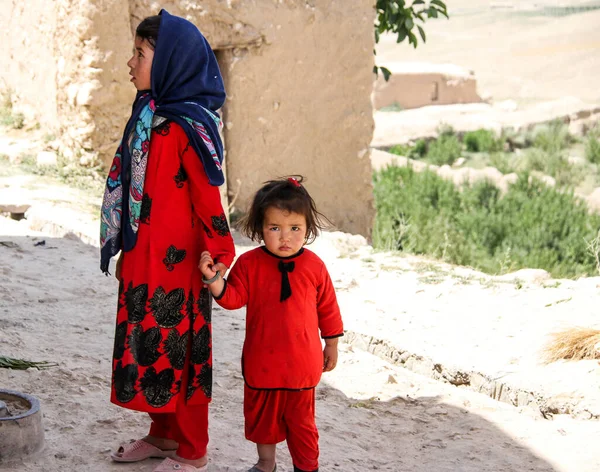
(207, 265)
(209, 269)
(330, 356)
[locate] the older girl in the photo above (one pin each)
(161, 209)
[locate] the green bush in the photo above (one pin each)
(533, 225)
(445, 129)
(554, 164)
(420, 148)
(444, 150)
(13, 120)
(418, 151)
(592, 146)
(482, 140)
(553, 137)
(503, 162)
(400, 150)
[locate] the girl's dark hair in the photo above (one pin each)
(288, 195)
(148, 30)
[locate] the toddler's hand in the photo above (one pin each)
(206, 265)
(330, 357)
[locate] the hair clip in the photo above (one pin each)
(294, 181)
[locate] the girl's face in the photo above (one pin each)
(141, 64)
(284, 233)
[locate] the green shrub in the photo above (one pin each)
(418, 151)
(420, 148)
(533, 225)
(444, 150)
(13, 120)
(592, 146)
(482, 140)
(503, 162)
(554, 164)
(400, 150)
(553, 137)
(445, 129)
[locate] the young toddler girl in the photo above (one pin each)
(291, 304)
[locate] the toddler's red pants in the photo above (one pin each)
(273, 416)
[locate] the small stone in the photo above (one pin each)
(391, 380)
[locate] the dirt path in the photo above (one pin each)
(55, 305)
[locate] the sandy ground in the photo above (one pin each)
(373, 414)
(524, 52)
(533, 61)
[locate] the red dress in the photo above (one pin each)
(282, 349)
(164, 312)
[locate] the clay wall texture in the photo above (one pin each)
(298, 75)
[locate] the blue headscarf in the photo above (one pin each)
(187, 88)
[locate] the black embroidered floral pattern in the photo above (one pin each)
(189, 306)
(176, 347)
(156, 387)
(144, 345)
(124, 380)
(204, 304)
(204, 379)
(180, 177)
(174, 256)
(135, 301)
(145, 209)
(201, 346)
(163, 129)
(191, 387)
(120, 337)
(207, 231)
(166, 307)
(219, 224)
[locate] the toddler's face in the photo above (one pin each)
(141, 64)
(284, 233)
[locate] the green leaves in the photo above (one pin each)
(396, 17)
(386, 72)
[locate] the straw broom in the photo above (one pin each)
(573, 344)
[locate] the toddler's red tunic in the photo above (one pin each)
(282, 349)
(163, 307)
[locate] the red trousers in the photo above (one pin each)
(188, 426)
(273, 416)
